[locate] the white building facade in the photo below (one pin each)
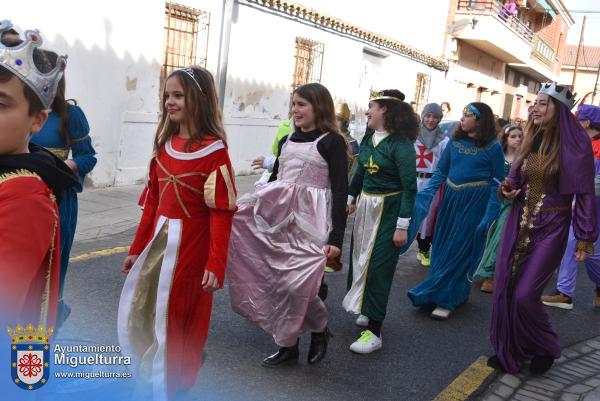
(117, 50)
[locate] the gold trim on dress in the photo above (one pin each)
(473, 184)
(46, 294)
(61, 153)
(230, 187)
(143, 302)
(17, 174)
(555, 209)
(83, 138)
(382, 195)
(585, 246)
(366, 274)
(465, 150)
(175, 264)
(176, 181)
(210, 187)
(534, 199)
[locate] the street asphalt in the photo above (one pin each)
(420, 356)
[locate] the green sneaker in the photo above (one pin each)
(424, 258)
(366, 343)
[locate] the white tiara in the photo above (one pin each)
(190, 73)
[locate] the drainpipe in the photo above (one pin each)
(226, 21)
(577, 56)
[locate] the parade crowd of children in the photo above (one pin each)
(510, 204)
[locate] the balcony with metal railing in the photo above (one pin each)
(496, 9)
(488, 26)
(543, 51)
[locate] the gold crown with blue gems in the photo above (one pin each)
(18, 59)
(30, 333)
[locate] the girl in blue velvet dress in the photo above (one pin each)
(470, 166)
(65, 133)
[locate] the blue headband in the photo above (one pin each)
(474, 110)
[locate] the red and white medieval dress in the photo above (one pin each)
(164, 313)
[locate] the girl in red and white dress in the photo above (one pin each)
(178, 257)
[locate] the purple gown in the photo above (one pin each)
(534, 240)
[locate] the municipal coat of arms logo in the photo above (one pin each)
(30, 355)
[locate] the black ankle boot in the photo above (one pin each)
(318, 346)
(540, 364)
(285, 355)
(494, 363)
(323, 291)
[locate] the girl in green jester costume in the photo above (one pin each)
(385, 183)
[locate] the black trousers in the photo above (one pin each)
(424, 243)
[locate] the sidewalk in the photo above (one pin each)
(574, 377)
(108, 217)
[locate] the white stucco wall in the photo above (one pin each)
(261, 67)
(105, 52)
(116, 50)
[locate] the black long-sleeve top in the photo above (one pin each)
(333, 149)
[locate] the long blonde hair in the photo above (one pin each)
(203, 115)
(550, 146)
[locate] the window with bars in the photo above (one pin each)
(422, 90)
(309, 62)
(186, 38)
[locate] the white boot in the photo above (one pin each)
(440, 313)
(362, 321)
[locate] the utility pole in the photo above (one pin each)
(596, 84)
(226, 21)
(578, 52)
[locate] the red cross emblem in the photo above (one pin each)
(422, 156)
(30, 365)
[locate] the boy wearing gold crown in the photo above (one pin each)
(30, 179)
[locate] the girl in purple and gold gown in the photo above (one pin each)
(555, 164)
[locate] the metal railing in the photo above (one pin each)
(186, 38)
(309, 62)
(496, 9)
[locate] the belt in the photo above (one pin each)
(424, 175)
(382, 195)
(473, 184)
